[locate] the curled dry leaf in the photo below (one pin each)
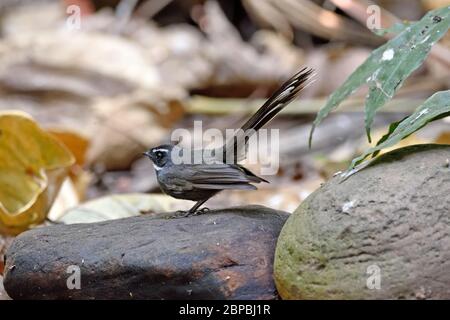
(74, 141)
(74, 187)
(33, 165)
(122, 206)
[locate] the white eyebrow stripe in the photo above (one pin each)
(160, 150)
(156, 167)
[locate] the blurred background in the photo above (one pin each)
(112, 78)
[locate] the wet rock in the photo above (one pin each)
(382, 233)
(224, 254)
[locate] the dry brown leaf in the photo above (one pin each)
(443, 138)
(130, 125)
(52, 49)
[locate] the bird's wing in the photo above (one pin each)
(220, 176)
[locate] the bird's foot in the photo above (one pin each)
(188, 213)
(178, 214)
(202, 211)
(197, 212)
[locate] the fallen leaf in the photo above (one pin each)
(122, 206)
(78, 145)
(286, 196)
(74, 141)
(443, 138)
(50, 48)
(129, 125)
(66, 199)
(33, 165)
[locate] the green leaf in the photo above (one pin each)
(388, 66)
(395, 29)
(434, 108)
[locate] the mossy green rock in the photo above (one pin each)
(383, 233)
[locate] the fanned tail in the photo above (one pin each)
(284, 95)
(288, 92)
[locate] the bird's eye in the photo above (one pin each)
(159, 155)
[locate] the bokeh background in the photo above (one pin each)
(121, 76)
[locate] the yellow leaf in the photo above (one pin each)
(78, 146)
(74, 141)
(33, 165)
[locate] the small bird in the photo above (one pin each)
(201, 181)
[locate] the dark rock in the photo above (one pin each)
(391, 219)
(224, 254)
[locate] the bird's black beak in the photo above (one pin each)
(146, 153)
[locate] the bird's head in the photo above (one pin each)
(160, 155)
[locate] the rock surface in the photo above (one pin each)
(224, 254)
(390, 220)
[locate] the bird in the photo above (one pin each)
(219, 169)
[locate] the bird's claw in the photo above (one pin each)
(197, 212)
(178, 214)
(202, 211)
(185, 214)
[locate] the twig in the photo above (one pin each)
(214, 106)
(151, 7)
(124, 11)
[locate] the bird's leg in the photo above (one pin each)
(194, 210)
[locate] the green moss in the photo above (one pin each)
(303, 265)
